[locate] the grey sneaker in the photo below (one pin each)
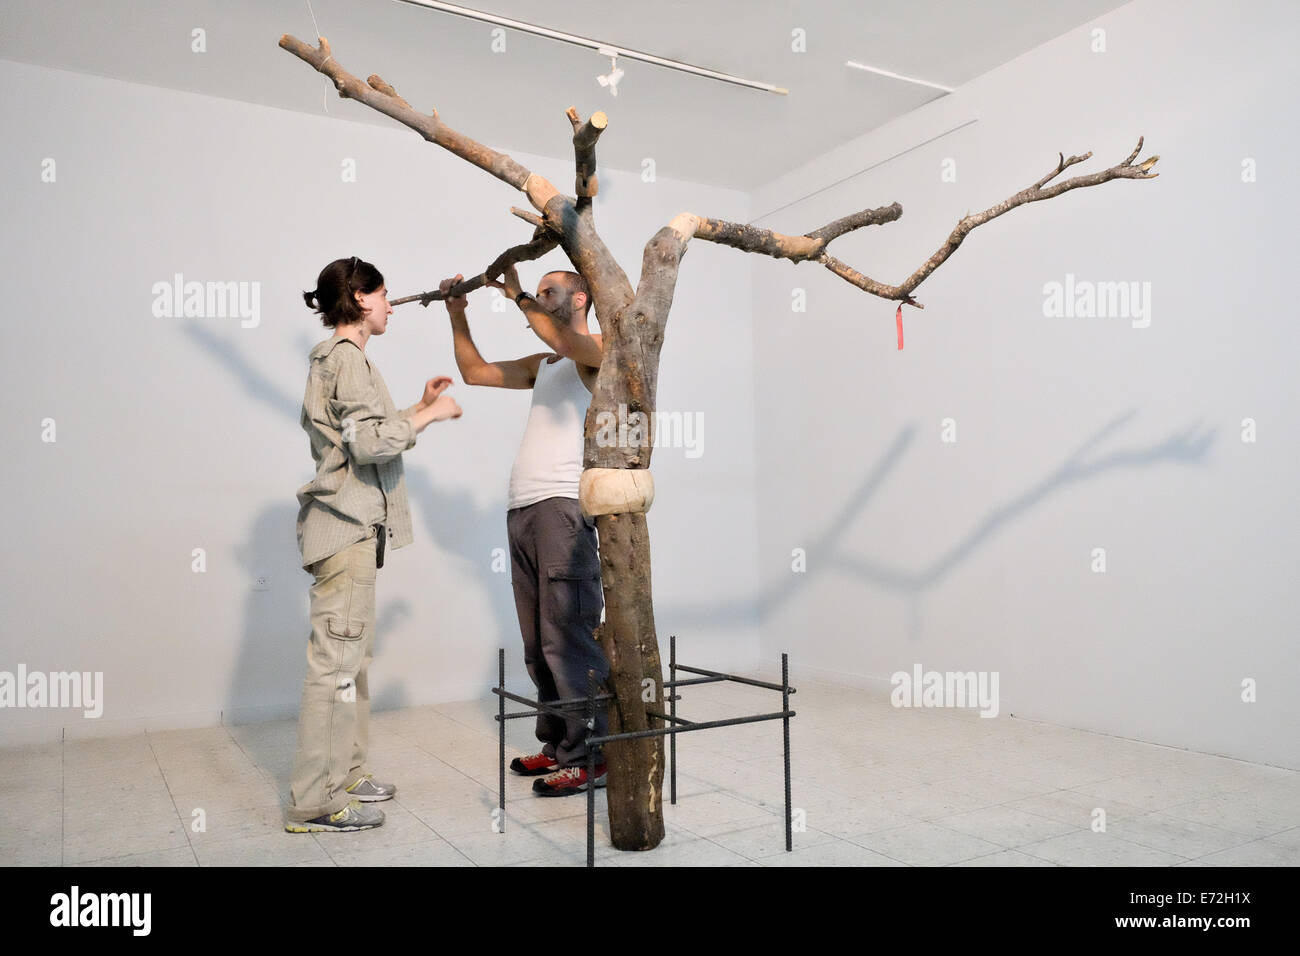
(369, 790)
(352, 817)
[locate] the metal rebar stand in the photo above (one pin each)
(785, 728)
(591, 770)
(672, 714)
(677, 725)
(501, 720)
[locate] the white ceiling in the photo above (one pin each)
(696, 129)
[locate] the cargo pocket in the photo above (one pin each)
(359, 606)
(349, 633)
(574, 591)
(345, 654)
(346, 630)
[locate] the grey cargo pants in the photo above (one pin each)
(555, 571)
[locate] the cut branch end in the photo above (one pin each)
(528, 217)
(378, 83)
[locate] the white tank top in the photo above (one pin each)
(549, 462)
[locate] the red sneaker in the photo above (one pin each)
(533, 764)
(566, 781)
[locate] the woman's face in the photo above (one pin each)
(376, 308)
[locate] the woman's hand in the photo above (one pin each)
(433, 388)
(444, 408)
(435, 406)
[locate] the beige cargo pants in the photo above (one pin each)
(334, 716)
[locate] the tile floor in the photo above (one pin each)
(873, 786)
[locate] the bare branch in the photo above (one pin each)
(812, 245)
(377, 82)
(584, 151)
(1034, 193)
(849, 274)
(528, 217)
(569, 221)
(868, 217)
(541, 243)
(1133, 155)
(750, 239)
(380, 96)
(1060, 166)
(778, 245)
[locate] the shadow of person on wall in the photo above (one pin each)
(266, 684)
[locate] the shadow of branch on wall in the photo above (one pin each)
(466, 529)
(833, 549)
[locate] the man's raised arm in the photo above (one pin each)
(474, 370)
(583, 347)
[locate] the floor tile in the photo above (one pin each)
(905, 787)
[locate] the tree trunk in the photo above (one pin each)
(635, 767)
(625, 389)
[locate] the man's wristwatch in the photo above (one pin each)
(521, 296)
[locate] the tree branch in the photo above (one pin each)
(868, 217)
(543, 241)
(747, 238)
(567, 221)
(812, 245)
(379, 95)
(528, 217)
(584, 152)
(1034, 193)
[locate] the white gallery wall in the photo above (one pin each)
(1113, 530)
(1097, 508)
(174, 433)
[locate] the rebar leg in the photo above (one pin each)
(672, 710)
(501, 719)
(785, 723)
(591, 771)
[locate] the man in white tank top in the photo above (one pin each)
(555, 562)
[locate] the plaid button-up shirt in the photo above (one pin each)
(357, 439)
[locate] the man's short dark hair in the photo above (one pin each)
(574, 282)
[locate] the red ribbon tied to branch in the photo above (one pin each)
(898, 321)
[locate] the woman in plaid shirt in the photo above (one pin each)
(352, 509)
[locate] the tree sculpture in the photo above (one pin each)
(616, 486)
